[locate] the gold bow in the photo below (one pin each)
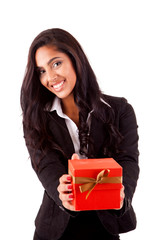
(88, 184)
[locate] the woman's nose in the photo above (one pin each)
(51, 75)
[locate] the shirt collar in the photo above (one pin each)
(56, 106)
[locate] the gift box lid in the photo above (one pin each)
(83, 167)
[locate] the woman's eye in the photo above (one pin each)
(41, 72)
(56, 64)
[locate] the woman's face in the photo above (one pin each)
(55, 71)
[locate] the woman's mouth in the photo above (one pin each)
(58, 86)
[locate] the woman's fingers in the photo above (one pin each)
(65, 191)
(68, 205)
(65, 185)
(66, 178)
(75, 156)
(122, 192)
(122, 196)
(65, 197)
(65, 188)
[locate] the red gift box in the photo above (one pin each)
(96, 183)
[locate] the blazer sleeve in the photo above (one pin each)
(124, 220)
(49, 170)
(128, 156)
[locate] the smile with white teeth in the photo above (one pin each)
(58, 86)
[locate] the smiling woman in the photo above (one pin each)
(56, 71)
(65, 115)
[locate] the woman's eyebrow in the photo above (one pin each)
(52, 59)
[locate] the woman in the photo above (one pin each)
(65, 115)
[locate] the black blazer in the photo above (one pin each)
(52, 217)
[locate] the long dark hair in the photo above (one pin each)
(35, 97)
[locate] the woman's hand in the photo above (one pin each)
(122, 196)
(65, 189)
(66, 194)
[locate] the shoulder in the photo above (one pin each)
(116, 103)
(119, 105)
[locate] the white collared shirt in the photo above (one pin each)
(72, 127)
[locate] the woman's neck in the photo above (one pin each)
(70, 108)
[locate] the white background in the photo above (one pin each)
(122, 42)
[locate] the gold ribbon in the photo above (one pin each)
(88, 184)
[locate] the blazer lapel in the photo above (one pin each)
(61, 134)
(62, 137)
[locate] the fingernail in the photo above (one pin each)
(71, 196)
(69, 178)
(69, 186)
